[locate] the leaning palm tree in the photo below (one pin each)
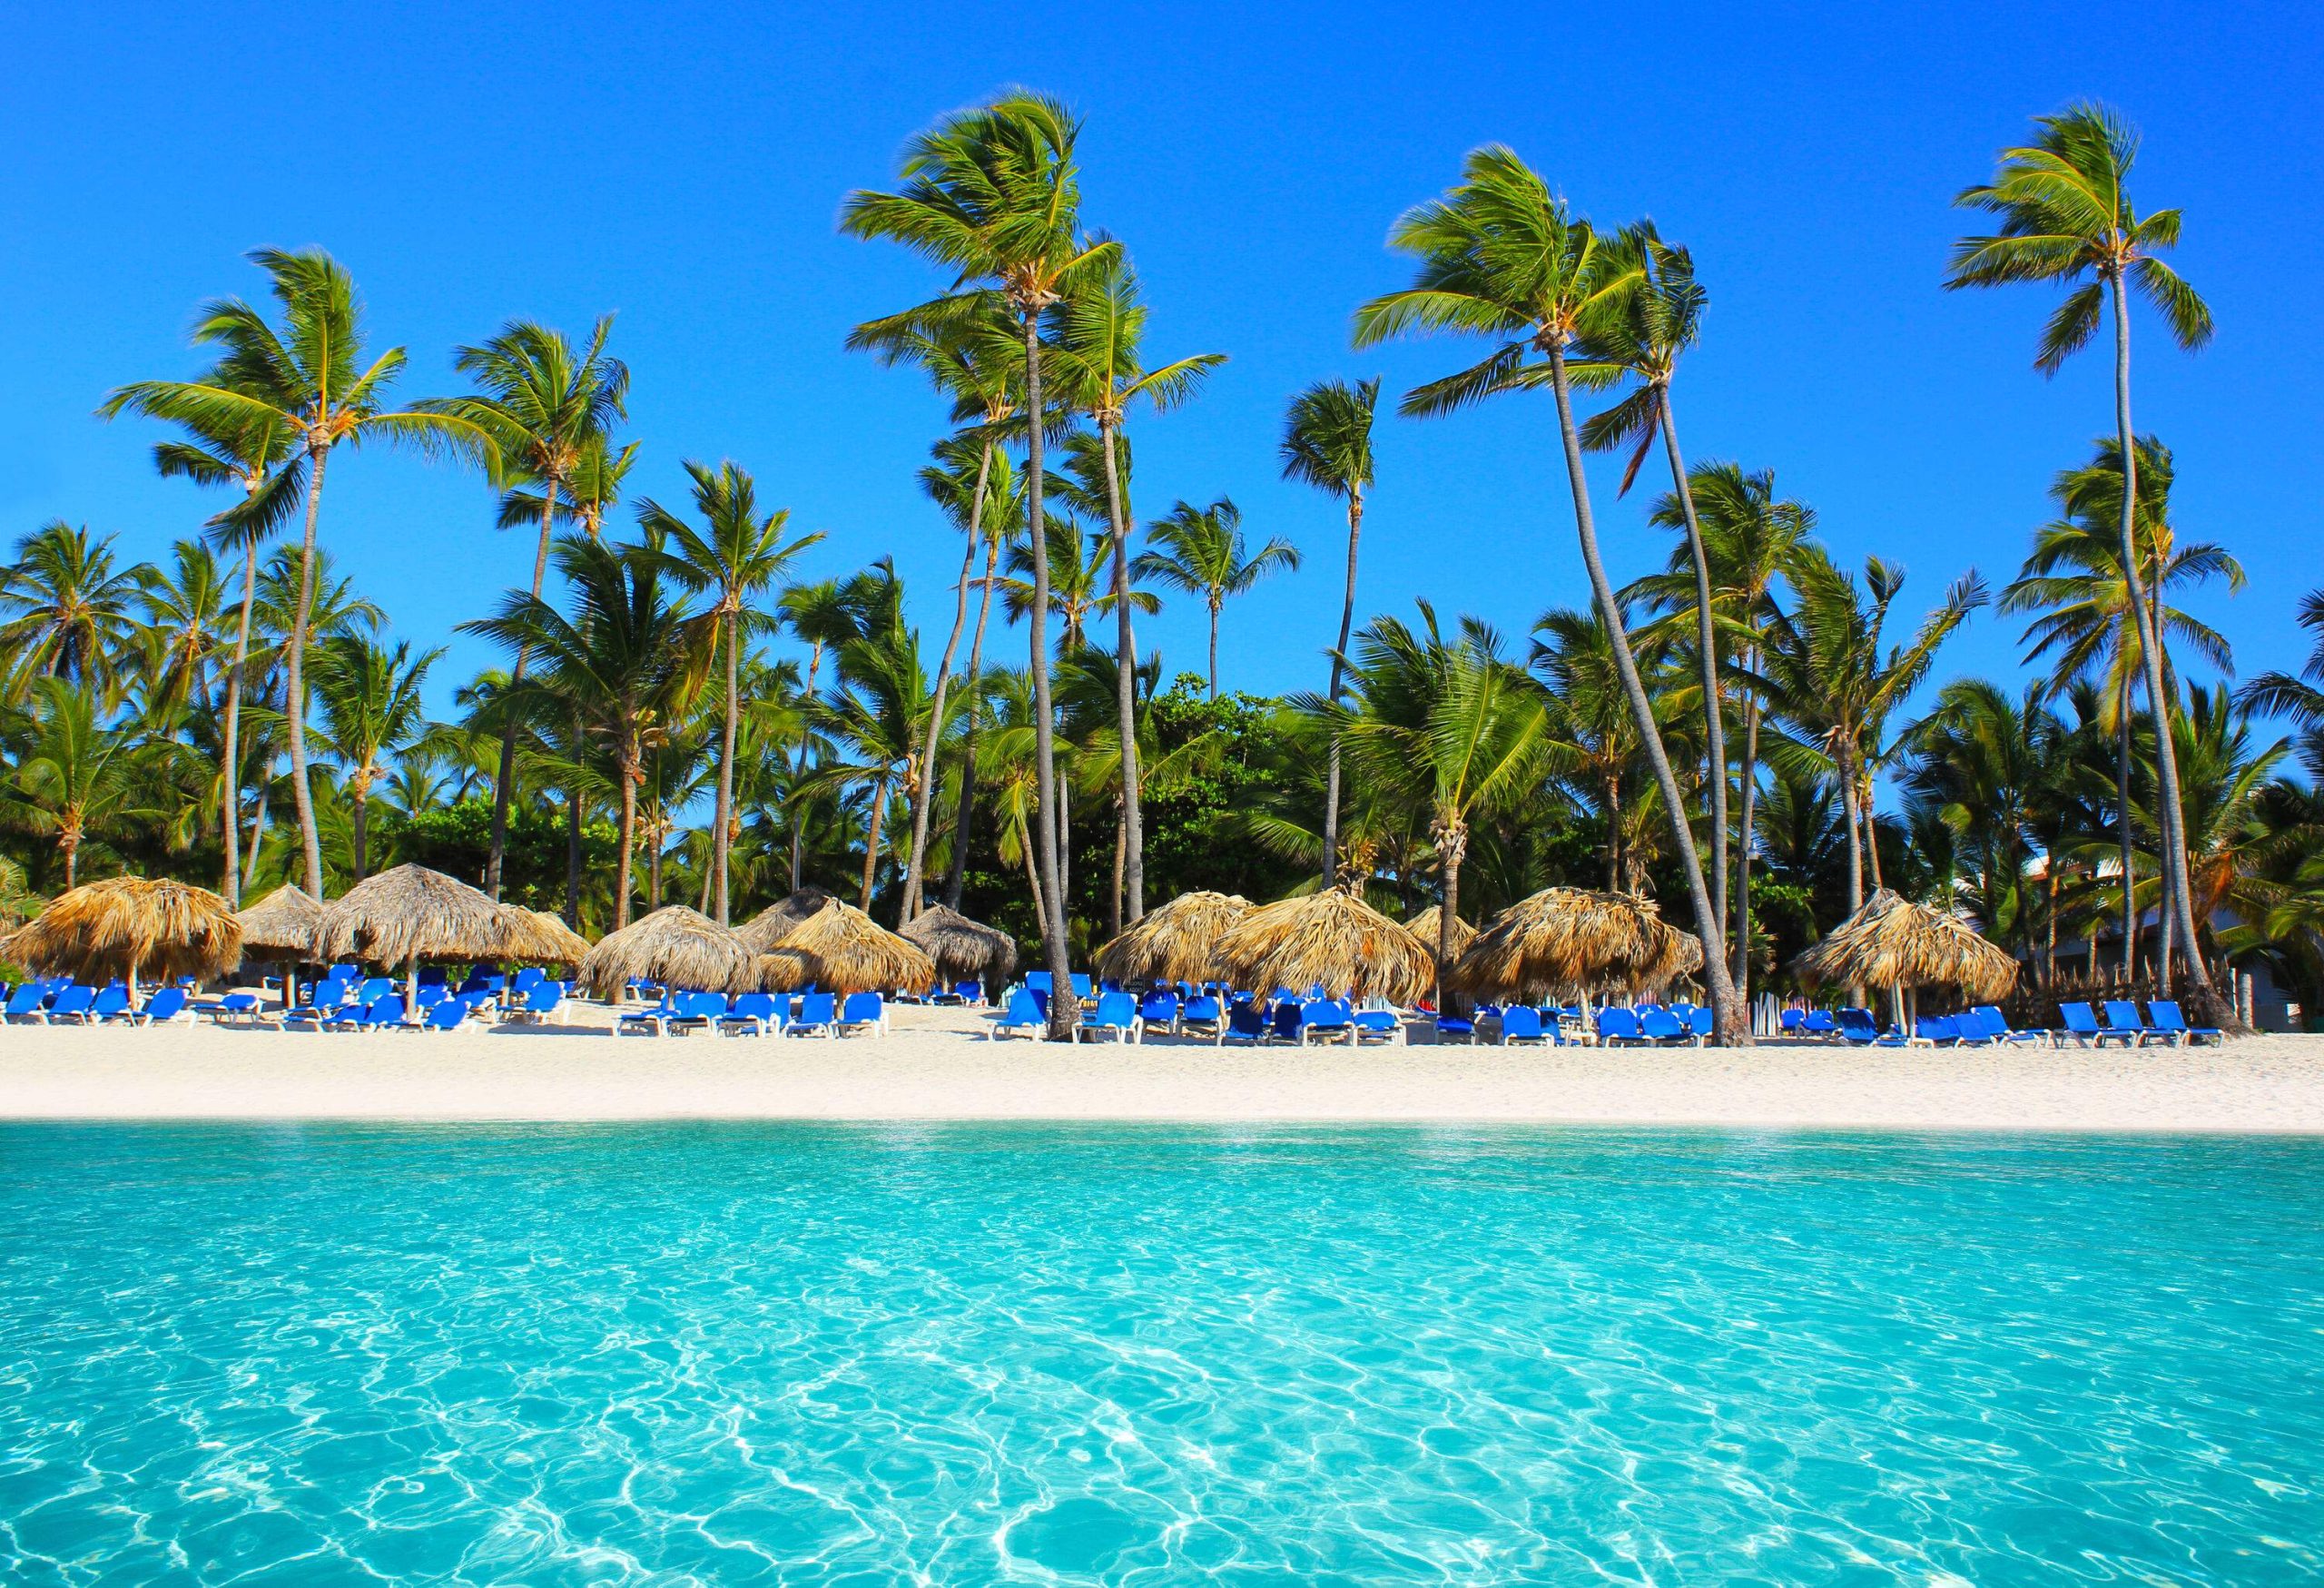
(545, 407)
(994, 195)
(310, 378)
(2066, 216)
(371, 707)
(737, 555)
(1202, 551)
(1327, 443)
(68, 608)
(1501, 255)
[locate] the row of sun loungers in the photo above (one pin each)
(758, 1014)
(1986, 1026)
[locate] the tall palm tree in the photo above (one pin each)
(735, 556)
(371, 707)
(1099, 326)
(628, 662)
(1202, 551)
(1327, 443)
(1501, 255)
(1592, 740)
(546, 407)
(1002, 516)
(880, 712)
(1642, 338)
(993, 194)
(1983, 764)
(68, 608)
(73, 772)
(826, 614)
(309, 378)
(2066, 216)
(186, 611)
(2300, 698)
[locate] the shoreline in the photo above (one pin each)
(934, 1068)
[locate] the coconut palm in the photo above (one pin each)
(74, 772)
(1000, 511)
(1984, 763)
(2300, 699)
(735, 556)
(1501, 255)
(1202, 551)
(2066, 217)
(1590, 739)
(880, 715)
(993, 194)
(1079, 586)
(370, 708)
(310, 378)
(67, 609)
(1327, 443)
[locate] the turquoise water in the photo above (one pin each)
(963, 1355)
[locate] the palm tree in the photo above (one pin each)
(993, 194)
(1590, 738)
(627, 663)
(2302, 698)
(1327, 443)
(1204, 553)
(826, 614)
(311, 379)
(545, 409)
(2067, 217)
(1984, 765)
(1642, 339)
(185, 611)
(371, 707)
(74, 771)
(1501, 255)
(66, 608)
(737, 555)
(881, 712)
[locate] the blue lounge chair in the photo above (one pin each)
(863, 1011)
(2080, 1025)
(1936, 1031)
(1202, 1016)
(1703, 1023)
(74, 1004)
(234, 1006)
(698, 1011)
(25, 1005)
(2171, 1026)
(1116, 1016)
(1452, 1026)
(968, 991)
(1858, 1028)
(1822, 1023)
(167, 1004)
(1245, 1023)
(1283, 1020)
(1040, 982)
(2122, 1019)
(753, 1014)
(818, 1016)
(1161, 1010)
(539, 1004)
(1379, 1025)
(1661, 1027)
(444, 1015)
(1791, 1022)
(1326, 1019)
(1521, 1024)
(651, 1022)
(1616, 1026)
(1081, 988)
(1023, 1015)
(1997, 1028)
(112, 1003)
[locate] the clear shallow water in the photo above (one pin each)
(962, 1356)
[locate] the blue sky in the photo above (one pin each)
(682, 165)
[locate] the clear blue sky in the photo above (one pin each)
(682, 165)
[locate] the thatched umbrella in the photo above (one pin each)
(1330, 938)
(409, 913)
(842, 950)
(1894, 945)
(1424, 925)
(1177, 941)
(542, 936)
(771, 926)
(961, 948)
(282, 927)
(1563, 941)
(122, 926)
(676, 946)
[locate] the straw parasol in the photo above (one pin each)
(409, 913)
(281, 926)
(1561, 941)
(961, 948)
(771, 926)
(1177, 941)
(676, 946)
(122, 926)
(1892, 945)
(542, 935)
(842, 950)
(1423, 926)
(1332, 938)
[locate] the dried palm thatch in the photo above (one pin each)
(1892, 943)
(1177, 941)
(961, 948)
(129, 927)
(771, 926)
(281, 926)
(1332, 939)
(410, 913)
(1423, 926)
(676, 946)
(842, 950)
(542, 936)
(1563, 941)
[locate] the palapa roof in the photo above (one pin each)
(1892, 941)
(772, 925)
(121, 926)
(676, 946)
(542, 936)
(1423, 927)
(282, 924)
(1177, 941)
(961, 948)
(1330, 937)
(1563, 941)
(410, 912)
(842, 950)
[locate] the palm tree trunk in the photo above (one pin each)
(1871, 817)
(1856, 834)
(1451, 849)
(956, 873)
(68, 841)
(656, 835)
(1025, 847)
(1733, 1028)
(1213, 646)
(362, 823)
(1339, 661)
(503, 781)
(1053, 942)
(295, 714)
(1706, 641)
(798, 767)
(871, 842)
(628, 839)
(1114, 895)
(924, 801)
(2176, 892)
(1126, 687)
(572, 858)
(2129, 847)
(1741, 918)
(232, 828)
(720, 840)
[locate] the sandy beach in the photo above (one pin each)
(937, 1065)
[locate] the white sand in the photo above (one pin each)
(934, 1066)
